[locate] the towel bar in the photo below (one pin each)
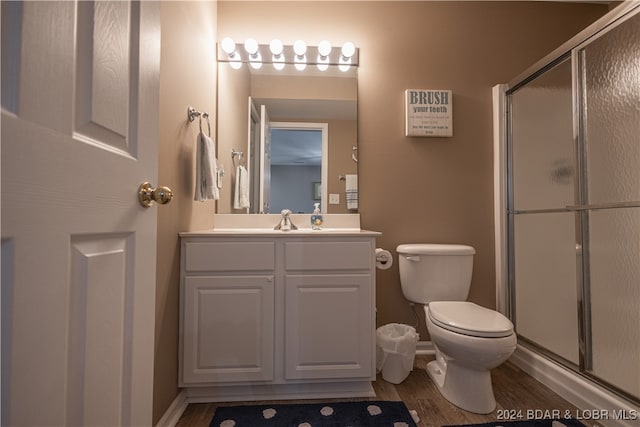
(192, 113)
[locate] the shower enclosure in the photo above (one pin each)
(571, 205)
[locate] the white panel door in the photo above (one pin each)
(328, 326)
(265, 160)
(79, 134)
(253, 156)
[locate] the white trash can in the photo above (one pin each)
(396, 351)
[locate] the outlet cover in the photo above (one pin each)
(334, 199)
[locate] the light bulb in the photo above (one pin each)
(257, 63)
(323, 55)
(277, 58)
(344, 64)
(251, 46)
(348, 49)
(228, 45)
(300, 63)
(300, 47)
(324, 48)
(276, 47)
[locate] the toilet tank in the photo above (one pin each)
(435, 272)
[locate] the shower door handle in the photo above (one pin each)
(613, 205)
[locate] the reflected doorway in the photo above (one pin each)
(298, 166)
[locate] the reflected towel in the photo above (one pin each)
(206, 169)
(241, 193)
(351, 191)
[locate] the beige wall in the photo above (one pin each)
(187, 77)
(342, 134)
(233, 134)
(423, 189)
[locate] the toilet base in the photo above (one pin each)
(466, 388)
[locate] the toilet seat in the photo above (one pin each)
(470, 319)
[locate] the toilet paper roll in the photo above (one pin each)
(384, 259)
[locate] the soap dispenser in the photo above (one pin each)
(316, 218)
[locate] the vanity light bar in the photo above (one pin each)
(279, 54)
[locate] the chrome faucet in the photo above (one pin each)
(285, 223)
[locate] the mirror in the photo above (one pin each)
(296, 132)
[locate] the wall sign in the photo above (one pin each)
(428, 112)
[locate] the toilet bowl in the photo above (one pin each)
(469, 340)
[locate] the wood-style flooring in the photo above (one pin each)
(515, 391)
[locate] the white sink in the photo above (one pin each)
(264, 223)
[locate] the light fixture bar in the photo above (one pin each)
(313, 54)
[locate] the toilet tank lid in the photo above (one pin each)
(434, 249)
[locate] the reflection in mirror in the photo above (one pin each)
(297, 166)
(297, 130)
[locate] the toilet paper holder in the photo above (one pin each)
(384, 259)
(381, 257)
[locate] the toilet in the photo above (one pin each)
(469, 340)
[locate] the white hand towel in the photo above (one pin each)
(241, 193)
(206, 168)
(351, 190)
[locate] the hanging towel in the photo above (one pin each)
(351, 191)
(241, 194)
(206, 169)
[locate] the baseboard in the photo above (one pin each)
(425, 347)
(175, 410)
(243, 393)
(595, 403)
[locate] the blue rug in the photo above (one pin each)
(338, 414)
(569, 422)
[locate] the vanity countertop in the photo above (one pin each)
(266, 232)
(261, 225)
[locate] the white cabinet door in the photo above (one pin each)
(329, 326)
(228, 329)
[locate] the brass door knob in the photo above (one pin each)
(147, 194)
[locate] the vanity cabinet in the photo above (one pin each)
(328, 309)
(281, 316)
(228, 310)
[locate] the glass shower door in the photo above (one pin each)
(609, 74)
(542, 167)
